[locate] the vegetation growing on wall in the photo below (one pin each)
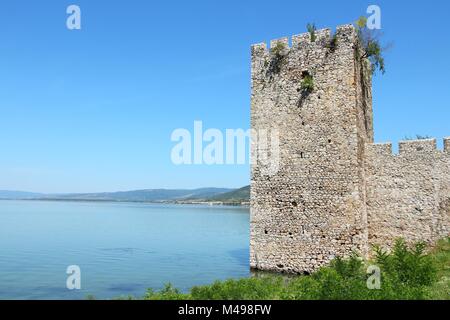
(311, 27)
(278, 49)
(333, 42)
(370, 43)
(417, 137)
(278, 53)
(307, 84)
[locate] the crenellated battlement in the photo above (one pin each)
(380, 149)
(417, 146)
(447, 144)
(409, 147)
(344, 34)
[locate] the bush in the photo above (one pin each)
(371, 46)
(406, 272)
(407, 266)
(307, 83)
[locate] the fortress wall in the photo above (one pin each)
(313, 208)
(336, 191)
(408, 195)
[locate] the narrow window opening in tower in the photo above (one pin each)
(301, 155)
(329, 140)
(266, 232)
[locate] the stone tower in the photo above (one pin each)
(313, 208)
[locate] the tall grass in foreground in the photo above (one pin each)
(406, 273)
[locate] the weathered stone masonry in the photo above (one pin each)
(408, 194)
(336, 191)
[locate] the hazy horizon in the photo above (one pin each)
(114, 191)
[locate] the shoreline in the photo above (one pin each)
(176, 202)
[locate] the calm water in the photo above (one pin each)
(121, 248)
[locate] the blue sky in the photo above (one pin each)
(93, 110)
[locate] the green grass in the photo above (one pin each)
(407, 273)
(441, 259)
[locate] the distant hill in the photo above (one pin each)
(150, 195)
(18, 195)
(235, 196)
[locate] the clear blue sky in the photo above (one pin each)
(93, 110)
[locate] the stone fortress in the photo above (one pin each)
(336, 191)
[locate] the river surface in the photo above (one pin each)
(120, 248)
